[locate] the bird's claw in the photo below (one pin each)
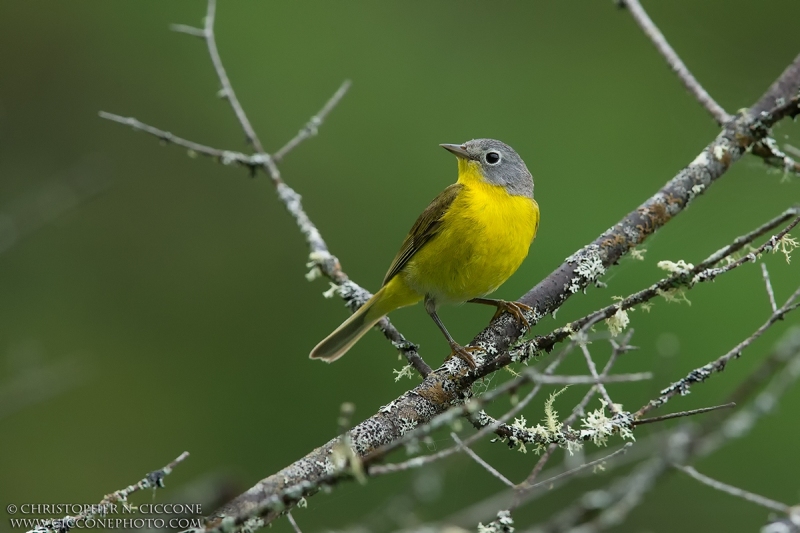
(463, 353)
(515, 309)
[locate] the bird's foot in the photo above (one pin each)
(515, 309)
(463, 353)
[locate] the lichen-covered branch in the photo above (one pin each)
(698, 375)
(684, 276)
(451, 383)
(152, 480)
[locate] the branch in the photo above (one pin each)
(699, 375)
(321, 260)
(475, 457)
(735, 491)
(312, 126)
(660, 42)
(782, 369)
(451, 383)
(152, 480)
(227, 89)
(682, 414)
(684, 275)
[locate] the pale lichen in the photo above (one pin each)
(589, 267)
(330, 293)
(618, 322)
(786, 246)
(550, 414)
(676, 295)
(681, 267)
(407, 371)
(502, 524)
(316, 260)
(599, 427)
(638, 253)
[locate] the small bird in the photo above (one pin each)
(466, 243)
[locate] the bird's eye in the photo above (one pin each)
(492, 158)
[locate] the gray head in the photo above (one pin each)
(498, 164)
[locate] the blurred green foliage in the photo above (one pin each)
(167, 295)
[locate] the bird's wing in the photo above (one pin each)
(426, 226)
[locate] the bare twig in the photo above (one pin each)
(226, 157)
(598, 380)
(735, 491)
(590, 380)
(681, 414)
(227, 89)
(768, 150)
(489, 468)
(523, 488)
(674, 61)
(768, 283)
(312, 126)
(625, 448)
(152, 480)
(322, 261)
(293, 522)
(782, 369)
(699, 375)
(188, 30)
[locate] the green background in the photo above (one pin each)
(153, 303)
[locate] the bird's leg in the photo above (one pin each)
(516, 309)
(462, 352)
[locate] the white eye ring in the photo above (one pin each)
(493, 153)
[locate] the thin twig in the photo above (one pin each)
(674, 61)
(735, 491)
(683, 413)
(768, 150)
(226, 157)
(782, 368)
(699, 375)
(598, 380)
(312, 126)
(489, 468)
(590, 380)
(768, 283)
(227, 89)
(624, 449)
(152, 480)
(188, 30)
(703, 272)
(293, 522)
(322, 261)
(523, 488)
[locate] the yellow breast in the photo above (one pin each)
(485, 236)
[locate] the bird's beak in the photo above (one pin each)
(459, 150)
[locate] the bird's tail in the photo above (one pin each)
(390, 297)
